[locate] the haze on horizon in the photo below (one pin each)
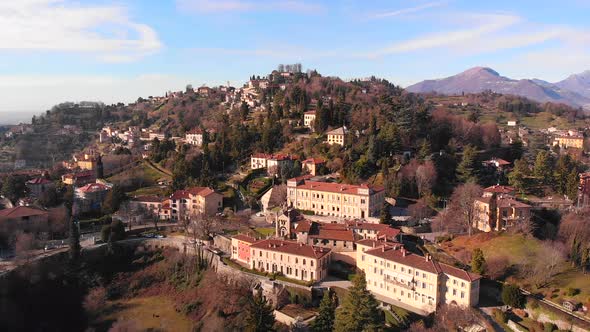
(111, 51)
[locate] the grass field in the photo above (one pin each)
(154, 190)
(149, 174)
(148, 313)
(265, 231)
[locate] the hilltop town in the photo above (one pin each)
(468, 212)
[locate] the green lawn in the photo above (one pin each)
(154, 190)
(265, 231)
(148, 174)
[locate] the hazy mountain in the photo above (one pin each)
(479, 79)
(579, 83)
(16, 117)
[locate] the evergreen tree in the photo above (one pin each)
(327, 312)
(572, 185)
(467, 168)
(425, 150)
(478, 261)
(359, 311)
(543, 169)
(518, 177)
(260, 316)
(74, 238)
(563, 169)
(385, 217)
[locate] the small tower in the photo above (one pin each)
(99, 168)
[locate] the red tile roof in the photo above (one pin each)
(21, 211)
(459, 273)
(290, 247)
(303, 226)
(194, 191)
(334, 234)
(315, 161)
(498, 189)
(38, 181)
(244, 238)
(93, 187)
(375, 243)
(381, 229)
(510, 202)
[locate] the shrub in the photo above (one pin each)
(500, 315)
(570, 291)
(549, 327)
(512, 296)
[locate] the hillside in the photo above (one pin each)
(579, 83)
(479, 79)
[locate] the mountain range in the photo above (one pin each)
(574, 90)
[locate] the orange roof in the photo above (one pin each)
(21, 211)
(315, 161)
(148, 198)
(334, 234)
(194, 191)
(290, 247)
(244, 238)
(93, 187)
(499, 189)
(337, 187)
(510, 202)
(38, 181)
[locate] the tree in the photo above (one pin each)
(425, 177)
(467, 168)
(572, 185)
(385, 217)
(13, 188)
(518, 177)
(327, 312)
(461, 210)
(359, 310)
(260, 316)
(512, 296)
(113, 200)
(543, 169)
(74, 239)
(478, 261)
(115, 231)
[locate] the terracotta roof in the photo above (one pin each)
(337, 187)
(194, 191)
(21, 211)
(310, 112)
(510, 202)
(244, 238)
(499, 189)
(409, 259)
(459, 273)
(303, 226)
(375, 242)
(38, 181)
(337, 131)
(93, 187)
(79, 175)
(334, 234)
(278, 156)
(148, 198)
(293, 248)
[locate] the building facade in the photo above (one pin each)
(499, 212)
(334, 199)
(309, 119)
(313, 165)
(240, 248)
(294, 260)
(397, 275)
(192, 202)
(336, 136)
(573, 141)
(39, 186)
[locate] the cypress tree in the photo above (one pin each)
(327, 312)
(74, 239)
(260, 316)
(478, 261)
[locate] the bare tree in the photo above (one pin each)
(425, 177)
(24, 243)
(462, 208)
(549, 258)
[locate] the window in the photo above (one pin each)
(304, 261)
(311, 262)
(363, 258)
(454, 281)
(454, 292)
(462, 295)
(462, 284)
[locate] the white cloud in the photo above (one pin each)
(409, 10)
(223, 6)
(57, 25)
(50, 90)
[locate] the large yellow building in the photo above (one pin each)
(574, 141)
(335, 199)
(191, 202)
(292, 259)
(499, 212)
(396, 276)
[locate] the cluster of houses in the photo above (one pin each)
(302, 249)
(498, 209)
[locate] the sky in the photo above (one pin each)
(118, 50)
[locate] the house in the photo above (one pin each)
(192, 202)
(91, 196)
(38, 186)
(499, 212)
(24, 217)
(497, 163)
(79, 178)
(194, 137)
(309, 119)
(149, 203)
(396, 275)
(337, 237)
(312, 165)
(292, 259)
(512, 123)
(272, 162)
(240, 248)
(204, 91)
(336, 136)
(87, 161)
(499, 190)
(335, 199)
(367, 230)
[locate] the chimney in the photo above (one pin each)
(403, 252)
(383, 249)
(427, 257)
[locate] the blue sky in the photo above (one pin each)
(121, 49)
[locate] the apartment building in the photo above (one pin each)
(272, 162)
(337, 237)
(91, 196)
(309, 119)
(38, 186)
(499, 212)
(192, 202)
(195, 136)
(335, 199)
(396, 275)
(294, 260)
(150, 204)
(336, 136)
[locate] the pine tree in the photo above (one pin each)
(425, 150)
(359, 311)
(327, 312)
(467, 168)
(74, 239)
(543, 167)
(478, 261)
(572, 185)
(260, 316)
(517, 178)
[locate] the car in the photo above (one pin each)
(260, 214)
(160, 236)
(49, 247)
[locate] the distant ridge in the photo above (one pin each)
(574, 91)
